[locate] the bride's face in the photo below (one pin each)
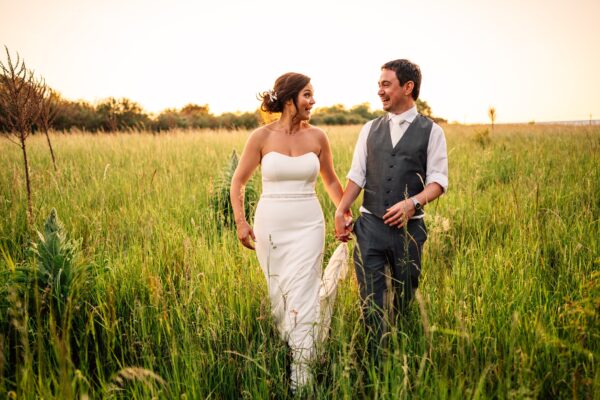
(305, 102)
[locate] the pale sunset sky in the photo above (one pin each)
(532, 60)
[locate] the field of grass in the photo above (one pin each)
(162, 301)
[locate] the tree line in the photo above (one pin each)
(123, 114)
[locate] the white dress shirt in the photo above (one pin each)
(437, 158)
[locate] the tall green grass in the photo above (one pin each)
(175, 307)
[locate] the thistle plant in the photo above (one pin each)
(58, 272)
(44, 306)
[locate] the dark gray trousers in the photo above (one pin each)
(388, 265)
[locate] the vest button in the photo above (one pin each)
(391, 166)
(389, 179)
(387, 191)
(393, 154)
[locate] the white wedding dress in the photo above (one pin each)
(290, 235)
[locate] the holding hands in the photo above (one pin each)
(343, 226)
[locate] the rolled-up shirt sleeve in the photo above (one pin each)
(437, 158)
(358, 170)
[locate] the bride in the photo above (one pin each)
(289, 229)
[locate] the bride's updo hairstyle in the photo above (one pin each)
(286, 87)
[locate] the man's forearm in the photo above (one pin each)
(350, 194)
(431, 192)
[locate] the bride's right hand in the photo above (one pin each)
(245, 235)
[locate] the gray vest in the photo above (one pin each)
(395, 173)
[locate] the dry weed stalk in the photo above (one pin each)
(492, 115)
(20, 97)
(48, 110)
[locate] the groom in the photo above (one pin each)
(401, 163)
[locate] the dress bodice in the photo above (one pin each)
(283, 174)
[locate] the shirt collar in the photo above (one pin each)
(408, 115)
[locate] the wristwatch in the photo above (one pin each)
(417, 204)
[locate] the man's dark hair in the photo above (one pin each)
(406, 71)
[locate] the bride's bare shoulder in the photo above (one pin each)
(260, 134)
(313, 129)
(317, 132)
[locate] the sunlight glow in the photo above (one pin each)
(534, 60)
